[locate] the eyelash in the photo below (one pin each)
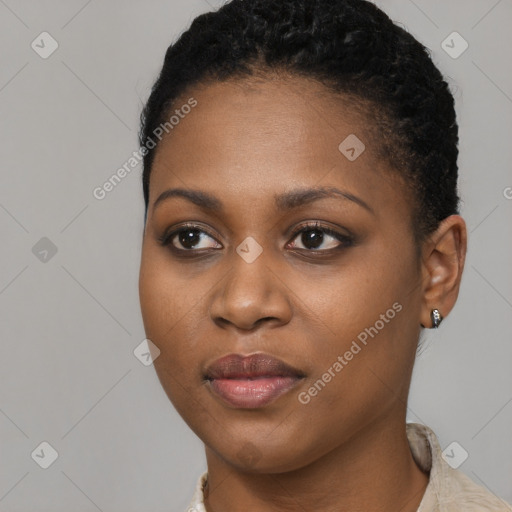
(345, 240)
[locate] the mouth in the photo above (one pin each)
(251, 382)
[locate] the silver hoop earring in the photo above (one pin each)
(436, 318)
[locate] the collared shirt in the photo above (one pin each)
(448, 489)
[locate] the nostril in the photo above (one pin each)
(266, 318)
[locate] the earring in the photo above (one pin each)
(436, 318)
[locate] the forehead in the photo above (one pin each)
(260, 137)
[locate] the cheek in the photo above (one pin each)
(354, 296)
(369, 311)
(167, 306)
(164, 297)
(174, 307)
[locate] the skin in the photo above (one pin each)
(347, 448)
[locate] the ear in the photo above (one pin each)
(443, 257)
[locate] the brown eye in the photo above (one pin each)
(312, 238)
(319, 238)
(189, 238)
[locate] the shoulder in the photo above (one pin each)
(466, 495)
(197, 502)
(449, 489)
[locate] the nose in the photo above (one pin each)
(249, 295)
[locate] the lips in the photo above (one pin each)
(251, 381)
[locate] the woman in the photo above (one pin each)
(302, 228)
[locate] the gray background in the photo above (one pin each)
(69, 324)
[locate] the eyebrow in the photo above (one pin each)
(285, 201)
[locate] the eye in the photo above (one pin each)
(317, 238)
(188, 238)
(313, 237)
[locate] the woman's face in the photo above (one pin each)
(255, 275)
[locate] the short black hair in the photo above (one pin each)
(351, 47)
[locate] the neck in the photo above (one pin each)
(373, 470)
